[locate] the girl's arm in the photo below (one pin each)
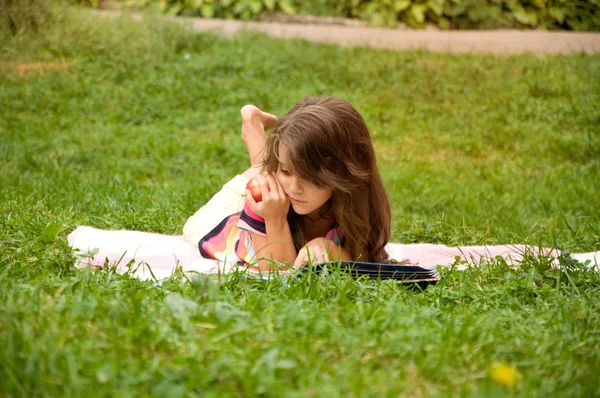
(278, 243)
(321, 250)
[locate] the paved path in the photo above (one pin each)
(489, 41)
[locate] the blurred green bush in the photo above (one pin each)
(27, 15)
(579, 15)
(582, 15)
(232, 9)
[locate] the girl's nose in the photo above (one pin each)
(296, 185)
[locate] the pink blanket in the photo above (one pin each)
(148, 255)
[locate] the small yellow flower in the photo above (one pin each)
(504, 373)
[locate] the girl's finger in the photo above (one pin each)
(280, 189)
(300, 259)
(249, 197)
(263, 185)
(272, 182)
(318, 253)
(250, 200)
(312, 254)
(274, 185)
(316, 256)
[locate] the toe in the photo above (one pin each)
(249, 112)
(268, 119)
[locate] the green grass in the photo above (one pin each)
(134, 125)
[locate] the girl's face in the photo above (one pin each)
(306, 198)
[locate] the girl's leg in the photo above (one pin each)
(230, 199)
(164, 252)
(254, 124)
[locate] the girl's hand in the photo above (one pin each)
(275, 203)
(321, 250)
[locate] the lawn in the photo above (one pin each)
(119, 124)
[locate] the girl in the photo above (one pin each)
(322, 196)
(322, 200)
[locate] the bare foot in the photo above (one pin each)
(254, 124)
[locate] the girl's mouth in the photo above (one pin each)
(296, 200)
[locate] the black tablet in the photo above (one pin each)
(403, 273)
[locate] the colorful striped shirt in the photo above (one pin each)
(231, 243)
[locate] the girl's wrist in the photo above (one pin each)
(276, 222)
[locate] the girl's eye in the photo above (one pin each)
(286, 172)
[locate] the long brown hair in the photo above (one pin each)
(329, 144)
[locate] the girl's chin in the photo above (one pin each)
(301, 208)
